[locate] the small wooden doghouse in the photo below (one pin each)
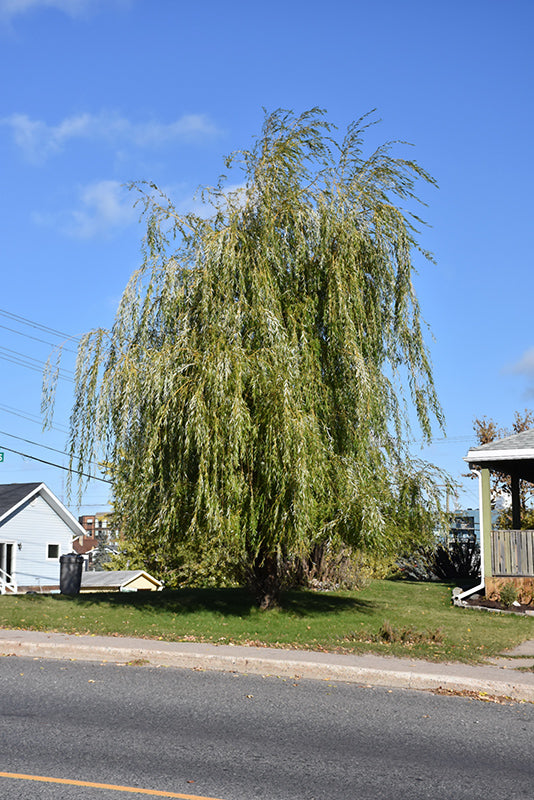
(507, 556)
(135, 580)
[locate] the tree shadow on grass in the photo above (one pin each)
(303, 603)
(226, 602)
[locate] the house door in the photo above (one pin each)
(6, 561)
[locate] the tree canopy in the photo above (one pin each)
(254, 393)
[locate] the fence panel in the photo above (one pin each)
(512, 553)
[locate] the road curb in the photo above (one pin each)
(366, 670)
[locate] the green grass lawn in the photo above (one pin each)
(388, 617)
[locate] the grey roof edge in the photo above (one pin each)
(111, 578)
(20, 494)
(519, 446)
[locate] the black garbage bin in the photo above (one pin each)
(70, 573)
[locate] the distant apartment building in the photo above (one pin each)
(99, 531)
(96, 524)
(465, 525)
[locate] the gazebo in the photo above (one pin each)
(506, 555)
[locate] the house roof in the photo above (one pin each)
(15, 495)
(89, 543)
(118, 579)
(511, 455)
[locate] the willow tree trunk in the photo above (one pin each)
(266, 581)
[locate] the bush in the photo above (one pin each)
(458, 560)
(508, 594)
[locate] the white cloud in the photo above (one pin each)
(188, 127)
(103, 208)
(74, 8)
(38, 140)
(106, 205)
(525, 365)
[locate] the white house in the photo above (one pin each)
(35, 530)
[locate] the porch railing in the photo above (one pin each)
(7, 583)
(512, 553)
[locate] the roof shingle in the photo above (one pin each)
(12, 493)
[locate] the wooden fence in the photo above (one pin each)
(512, 553)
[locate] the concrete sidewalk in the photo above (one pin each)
(498, 677)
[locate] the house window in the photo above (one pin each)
(52, 551)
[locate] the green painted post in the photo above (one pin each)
(485, 520)
(516, 503)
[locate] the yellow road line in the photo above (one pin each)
(111, 786)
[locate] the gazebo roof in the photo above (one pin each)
(513, 455)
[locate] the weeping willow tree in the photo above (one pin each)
(253, 395)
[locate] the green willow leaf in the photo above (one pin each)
(253, 394)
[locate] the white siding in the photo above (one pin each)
(36, 525)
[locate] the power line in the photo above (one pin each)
(45, 446)
(36, 339)
(28, 362)
(30, 417)
(20, 363)
(20, 359)
(30, 358)
(93, 505)
(33, 324)
(445, 440)
(58, 466)
(29, 441)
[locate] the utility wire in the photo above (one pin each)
(30, 417)
(37, 339)
(30, 358)
(58, 466)
(445, 440)
(45, 446)
(33, 324)
(20, 363)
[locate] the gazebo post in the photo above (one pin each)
(516, 503)
(485, 522)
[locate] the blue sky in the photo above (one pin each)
(97, 93)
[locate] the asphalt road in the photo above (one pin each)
(239, 737)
